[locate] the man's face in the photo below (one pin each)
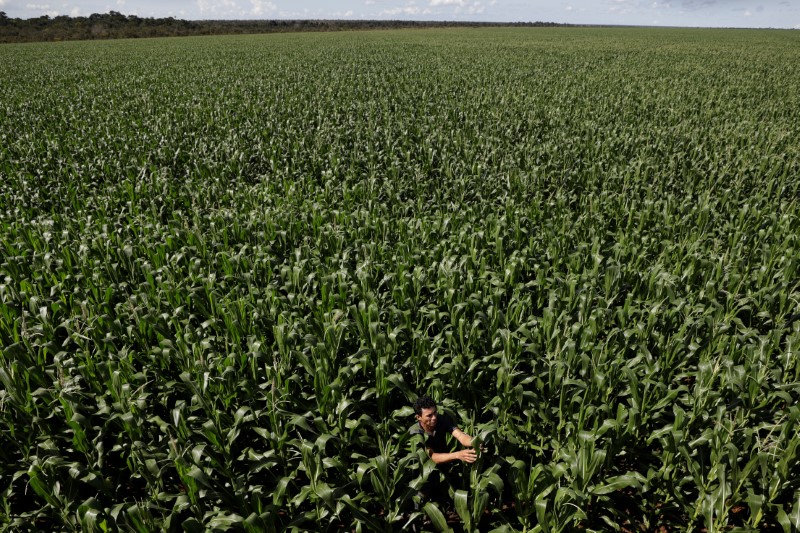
(428, 419)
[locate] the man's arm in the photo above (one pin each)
(462, 437)
(467, 455)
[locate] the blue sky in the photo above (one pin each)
(715, 13)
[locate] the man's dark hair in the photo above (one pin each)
(423, 402)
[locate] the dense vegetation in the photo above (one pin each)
(115, 25)
(229, 265)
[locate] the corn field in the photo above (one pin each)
(230, 264)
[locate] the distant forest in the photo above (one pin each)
(114, 25)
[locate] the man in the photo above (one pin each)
(434, 428)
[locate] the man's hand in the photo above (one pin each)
(467, 455)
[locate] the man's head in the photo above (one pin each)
(426, 413)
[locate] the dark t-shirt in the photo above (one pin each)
(438, 441)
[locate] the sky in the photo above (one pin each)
(691, 13)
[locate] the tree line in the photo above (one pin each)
(115, 25)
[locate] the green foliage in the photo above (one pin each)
(229, 265)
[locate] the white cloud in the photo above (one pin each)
(475, 9)
(408, 10)
(261, 7)
(43, 9)
(623, 7)
(461, 6)
(217, 7)
(75, 12)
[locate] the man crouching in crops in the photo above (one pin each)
(435, 427)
